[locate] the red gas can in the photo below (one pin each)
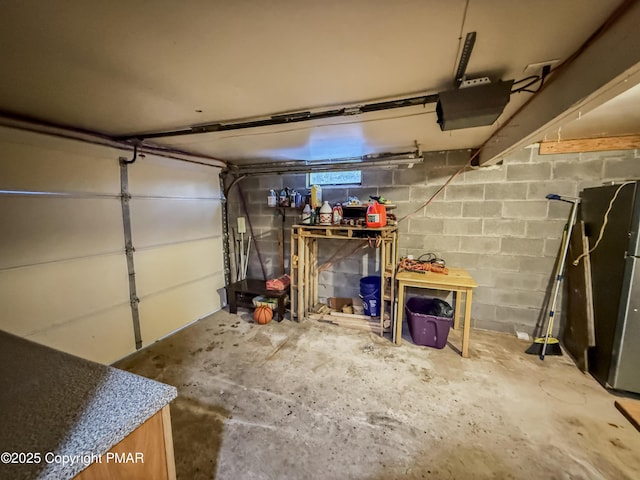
(376, 215)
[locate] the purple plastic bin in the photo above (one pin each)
(427, 330)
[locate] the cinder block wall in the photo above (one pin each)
(493, 221)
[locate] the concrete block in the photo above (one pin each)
(622, 168)
(263, 221)
(463, 226)
(498, 262)
(412, 241)
(518, 298)
(551, 247)
(411, 176)
(484, 294)
(484, 277)
(525, 209)
(425, 225)
(503, 227)
(544, 265)
(267, 182)
(481, 245)
(404, 227)
(335, 195)
(559, 210)
(521, 317)
(578, 170)
(439, 176)
(394, 193)
(582, 184)
(505, 191)
(523, 155)
(362, 193)
(482, 209)
(249, 183)
(435, 159)
(441, 244)
(483, 311)
(458, 157)
(464, 192)
(539, 190)
(493, 173)
(462, 260)
(377, 178)
(528, 172)
(406, 208)
(523, 246)
(558, 157)
(444, 209)
(545, 228)
(422, 193)
(256, 197)
(521, 280)
(492, 325)
(297, 181)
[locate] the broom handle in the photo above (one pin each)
(566, 238)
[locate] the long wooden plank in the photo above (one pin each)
(626, 142)
(168, 443)
(578, 334)
(631, 410)
(457, 277)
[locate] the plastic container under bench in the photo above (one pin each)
(425, 329)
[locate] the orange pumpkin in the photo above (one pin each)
(263, 314)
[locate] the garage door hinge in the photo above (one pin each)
(134, 301)
(129, 249)
(126, 196)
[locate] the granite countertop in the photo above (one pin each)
(55, 404)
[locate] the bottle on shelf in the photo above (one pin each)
(376, 215)
(306, 215)
(316, 196)
(272, 199)
(336, 214)
(325, 213)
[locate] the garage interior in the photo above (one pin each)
(140, 145)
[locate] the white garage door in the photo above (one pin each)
(63, 270)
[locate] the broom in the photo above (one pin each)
(549, 345)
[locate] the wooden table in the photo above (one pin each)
(238, 294)
(458, 280)
(304, 268)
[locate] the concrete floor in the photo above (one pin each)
(294, 401)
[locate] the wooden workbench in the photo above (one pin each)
(458, 280)
(304, 268)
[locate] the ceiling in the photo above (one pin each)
(122, 68)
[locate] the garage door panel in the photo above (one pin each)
(163, 313)
(43, 296)
(163, 221)
(157, 176)
(104, 337)
(34, 168)
(164, 267)
(46, 229)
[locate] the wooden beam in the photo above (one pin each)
(604, 67)
(627, 142)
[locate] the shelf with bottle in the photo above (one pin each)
(286, 197)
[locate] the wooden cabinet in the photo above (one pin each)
(146, 453)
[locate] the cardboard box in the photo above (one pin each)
(337, 303)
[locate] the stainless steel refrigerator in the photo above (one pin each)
(615, 275)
